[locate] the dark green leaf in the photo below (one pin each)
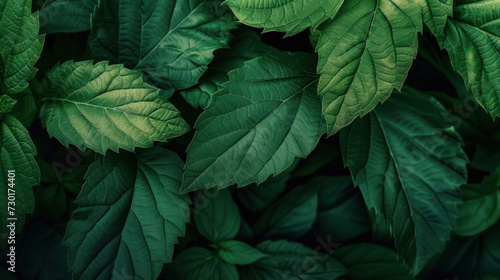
(58, 16)
(129, 217)
(238, 253)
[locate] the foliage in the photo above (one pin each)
(181, 139)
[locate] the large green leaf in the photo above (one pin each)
(481, 207)
(129, 217)
(244, 46)
(289, 260)
(105, 107)
(58, 16)
(342, 212)
(409, 165)
(171, 42)
(210, 208)
(364, 53)
(20, 45)
(290, 16)
(290, 217)
(472, 38)
(17, 153)
(267, 115)
(198, 263)
(369, 261)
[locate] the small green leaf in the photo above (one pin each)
(267, 115)
(481, 206)
(290, 217)
(290, 260)
(6, 104)
(17, 154)
(370, 261)
(290, 16)
(217, 217)
(106, 107)
(409, 164)
(197, 263)
(435, 13)
(20, 45)
(246, 45)
(238, 253)
(170, 42)
(129, 217)
(25, 110)
(364, 53)
(66, 16)
(472, 39)
(342, 213)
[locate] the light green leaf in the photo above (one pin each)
(370, 261)
(210, 208)
(129, 217)
(66, 16)
(364, 53)
(270, 114)
(170, 42)
(481, 207)
(342, 212)
(244, 46)
(6, 104)
(290, 16)
(106, 107)
(20, 45)
(290, 260)
(17, 153)
(409, 165)
(290, 217)
(238, 253)
(472, 39)
(435, 13)
(198, 263)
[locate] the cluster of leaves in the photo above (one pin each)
(122, 82)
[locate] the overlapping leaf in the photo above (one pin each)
(244, 46)
(267, 115)
(364, 53)
(290, 16)
(472, 38)
(57, 16)
(17, 153)
(409, 165)
(105, 107)
(171, 42)
(129, 217)
(20, 45)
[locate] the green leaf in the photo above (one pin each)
(66, 16)
(290, 217)
(290, 16)
(106, 107)
(129, 217)
(198, 263)
(472, 39)
(40, 254)
(364, 53)
(290, 260)
(409, 165)
(370, 261)
(171, 42)
(435, 13)
(25, 110)
(322, 155)
(51, 200)
(17, 153)
(20, 45)
(238, 253)
(481, 207)
(342, 213)
(244, 46)
(270, 114)
(6, 104)
(210, 208)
